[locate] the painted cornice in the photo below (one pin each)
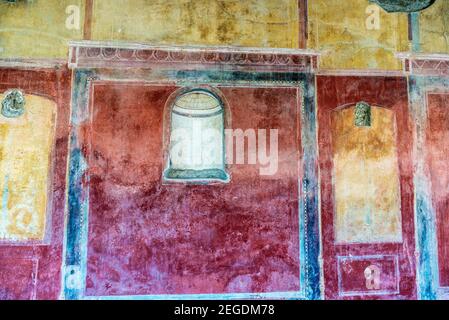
(427, 64)
(95, 54)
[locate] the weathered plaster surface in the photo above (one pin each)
(146, 237)
(123, 229)
(365, 158)
(253, 23)
(340, 32)
(437, 156)
(428, 101)
(26, 149)
(36, 265)
(343, 259)
(434, 28)
(37, 29)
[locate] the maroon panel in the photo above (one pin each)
(389, 92)
(18, 279)
(368, 275)
(437, 158)
(53, 84)
(146, 237)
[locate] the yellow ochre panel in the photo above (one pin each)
(39, 29)
(253, 23)
(434, 28)
(356, 34)
(25, 150)
(366, 178)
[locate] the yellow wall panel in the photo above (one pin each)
(366, 175)
(434, 28)
(38, 29)
(25, 149)
(254, 23)
(339, 28)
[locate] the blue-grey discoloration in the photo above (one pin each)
(76, 229)
(426, 228)
(311, 232)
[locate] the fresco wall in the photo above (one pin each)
(437, 155)
(41, 29)
(25, 168)
(363, 37)
(212, 22)
(33, 162)
(357, 247)
(358, 97)
(189, 239)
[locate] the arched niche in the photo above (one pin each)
(196, 146)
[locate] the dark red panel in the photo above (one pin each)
(438, 161)
(368, 275)
(388, 92)
(18, 279)
(146, 237)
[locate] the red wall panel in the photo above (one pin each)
(147, 237)
(18, 279)
(388, 92)
(437, 159)
(34, 271)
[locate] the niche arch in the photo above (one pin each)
(195, 119)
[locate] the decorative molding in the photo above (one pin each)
(93, 54)
(425, 64)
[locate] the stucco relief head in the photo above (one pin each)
(13, 104)
(404, 5)
(362, 114)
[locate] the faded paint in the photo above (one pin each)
(365, 158)
(252, 23)
(347, 43)
(390, 93)
(37, 29)
(434, 28)
(149, 238)
(22, 285)
(437, 158)
(26, 148)
(36, 266)
(426, 234)
(140, 246)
